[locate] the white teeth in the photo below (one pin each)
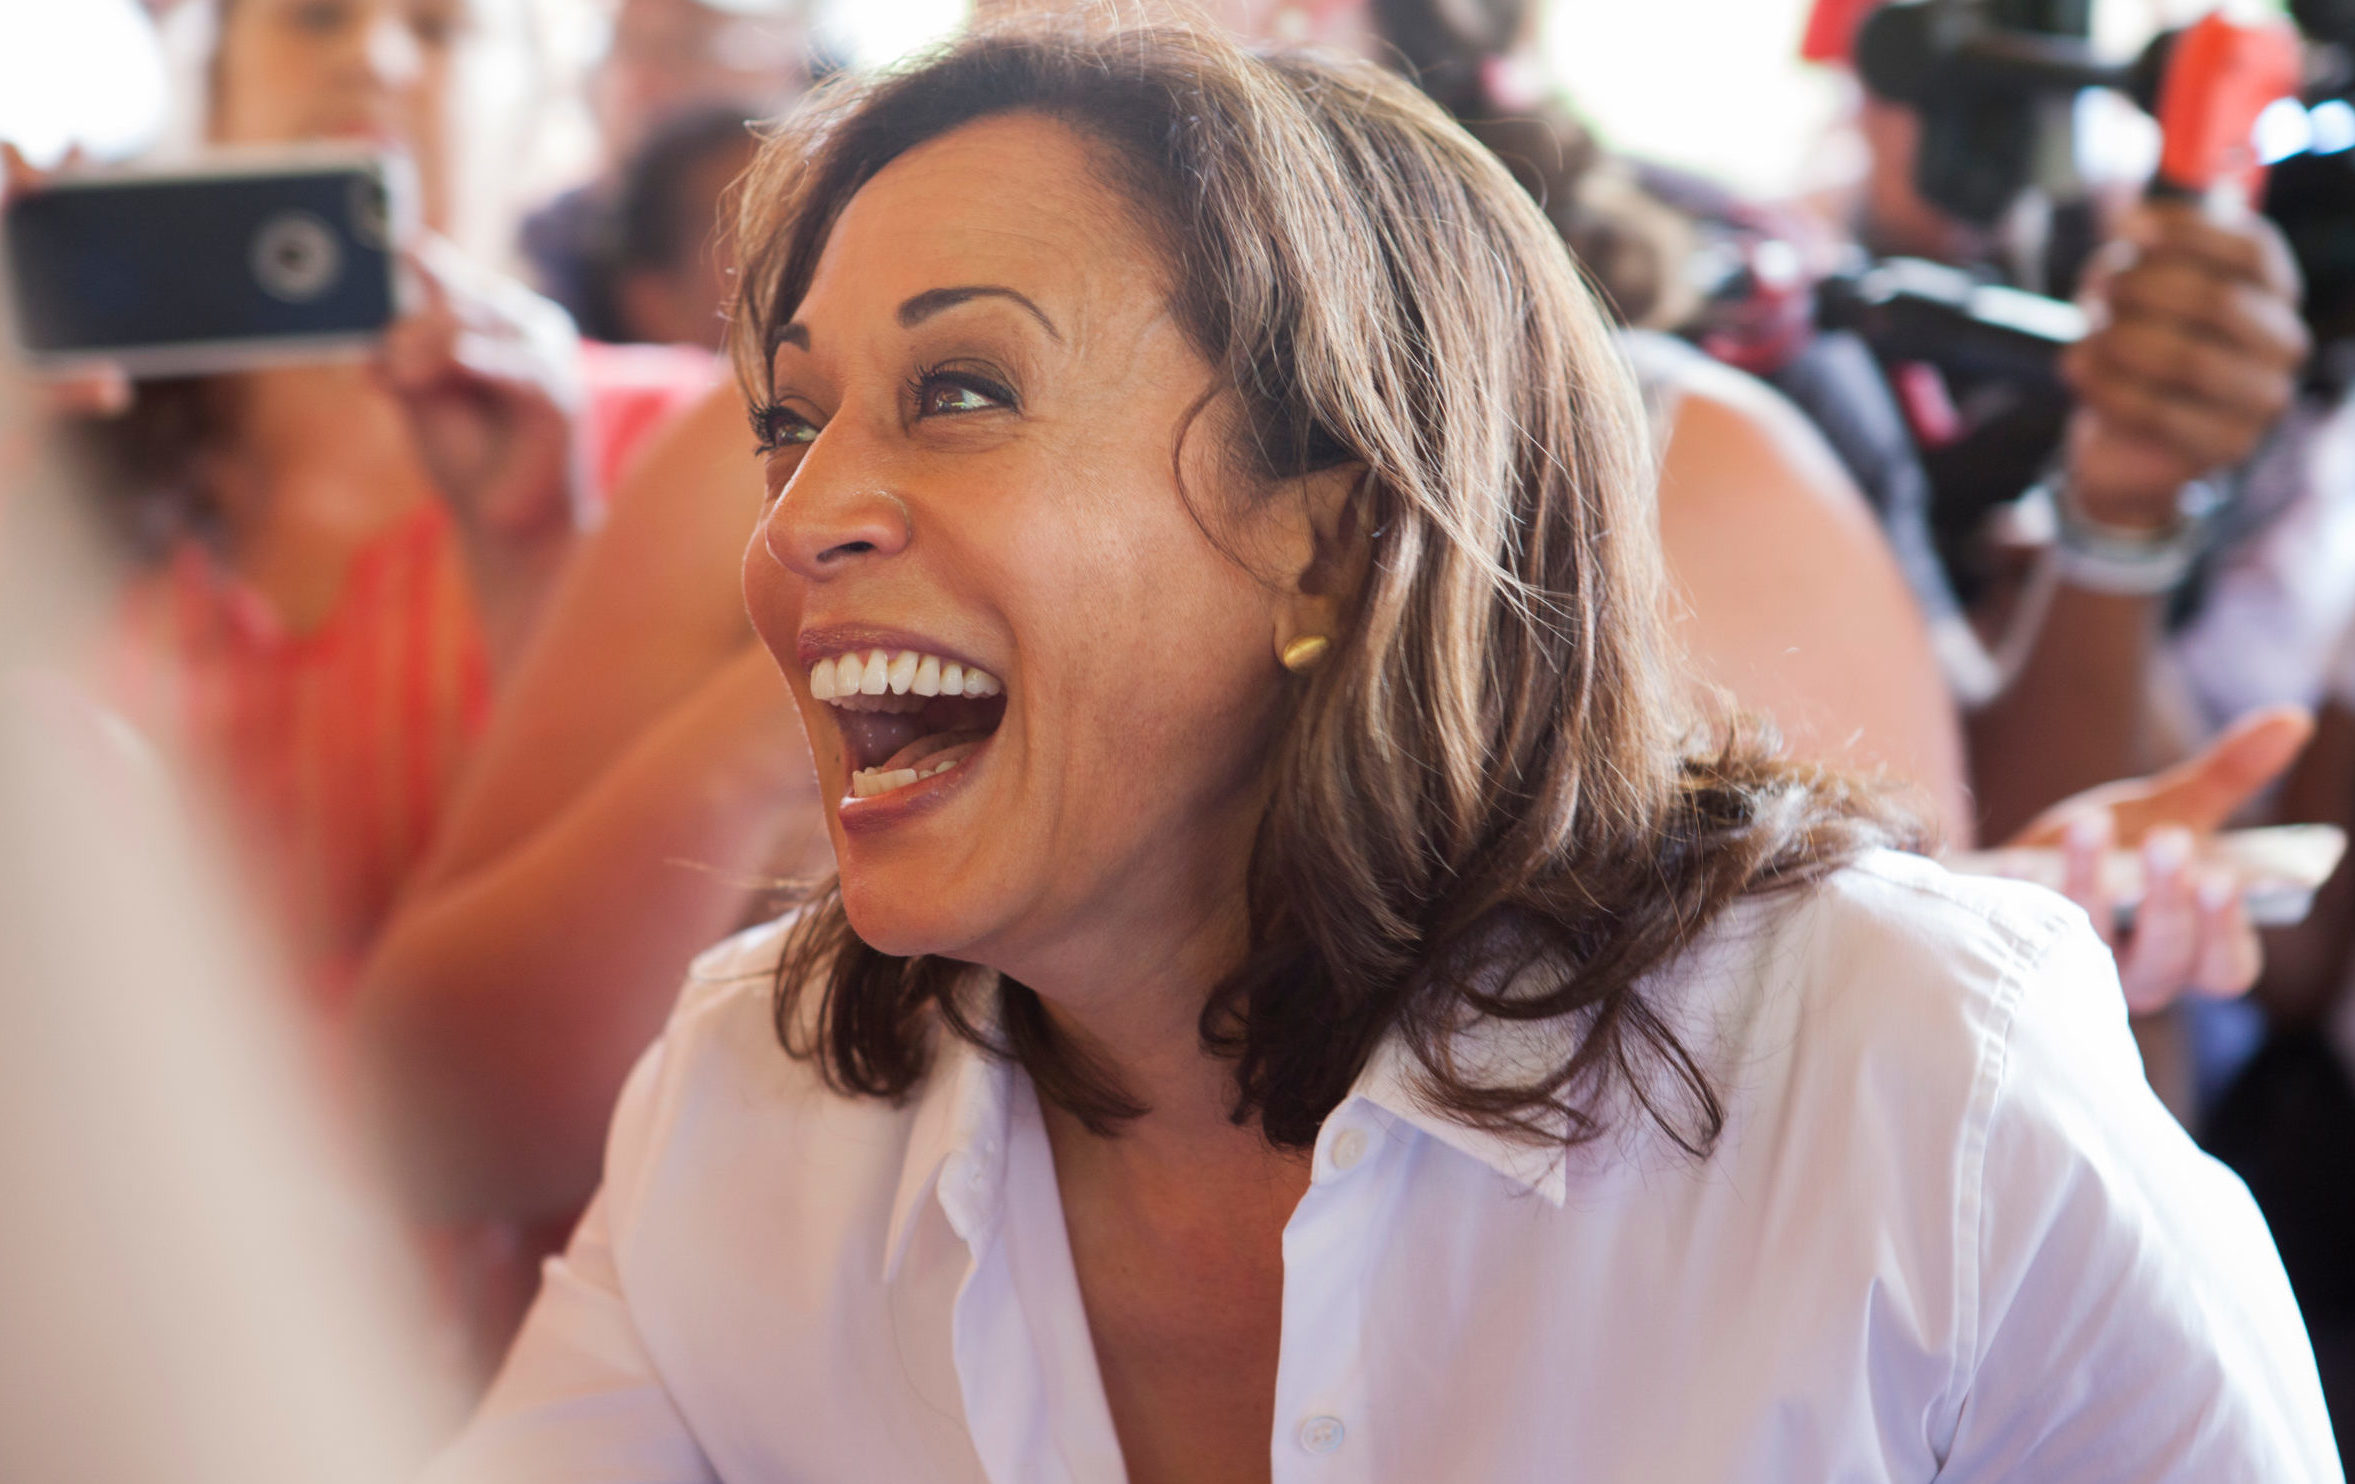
(866, 783)
(908, 674)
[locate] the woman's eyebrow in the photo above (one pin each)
(924, 306)
(932, 301)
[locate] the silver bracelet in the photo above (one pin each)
(2123, 561)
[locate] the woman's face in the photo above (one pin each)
(977, 409)
(374, 71)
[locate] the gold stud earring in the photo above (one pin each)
(1305, 653)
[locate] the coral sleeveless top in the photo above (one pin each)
(333, 751)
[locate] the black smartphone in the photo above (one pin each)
(235, 262)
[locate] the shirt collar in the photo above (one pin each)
(957, 1138)
(1488, 1050)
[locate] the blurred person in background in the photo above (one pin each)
(664, 60)
(335, 562)
(661, 272)
(2083, 689)
(2207, 367)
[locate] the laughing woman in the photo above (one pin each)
(1298, 1001)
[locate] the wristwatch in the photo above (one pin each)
(2122, 560)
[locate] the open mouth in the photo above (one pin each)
(906, 716)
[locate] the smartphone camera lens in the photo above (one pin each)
(295, 257)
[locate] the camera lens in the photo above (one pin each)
(295, 257)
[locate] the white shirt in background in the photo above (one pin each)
(1948, 1234)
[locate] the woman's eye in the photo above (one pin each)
(950, 393)
(776, 427)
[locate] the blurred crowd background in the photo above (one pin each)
(1747, 109)
(447, 651)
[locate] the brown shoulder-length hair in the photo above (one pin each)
(1483, 802)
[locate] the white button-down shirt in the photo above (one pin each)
(1947, 1234)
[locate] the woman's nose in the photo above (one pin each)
(818, 533)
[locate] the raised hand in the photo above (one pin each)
(2190, 933)
(2194, 358)
(488, 373)
(89, 391)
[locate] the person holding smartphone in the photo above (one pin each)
(334, 559)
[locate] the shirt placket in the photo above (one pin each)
(1323, 1430)
(1020, 1351)
(996, 1366)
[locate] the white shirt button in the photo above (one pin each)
(1348, 1148)
(1321, 1434)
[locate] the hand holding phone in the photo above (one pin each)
(489, 376)
(100, 389)
(2189, 928)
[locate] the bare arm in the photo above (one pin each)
(2078, 714)
(644, 771)
(503, 1009)
(1790, 599)
(648, 609)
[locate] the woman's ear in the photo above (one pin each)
(1325, 545)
